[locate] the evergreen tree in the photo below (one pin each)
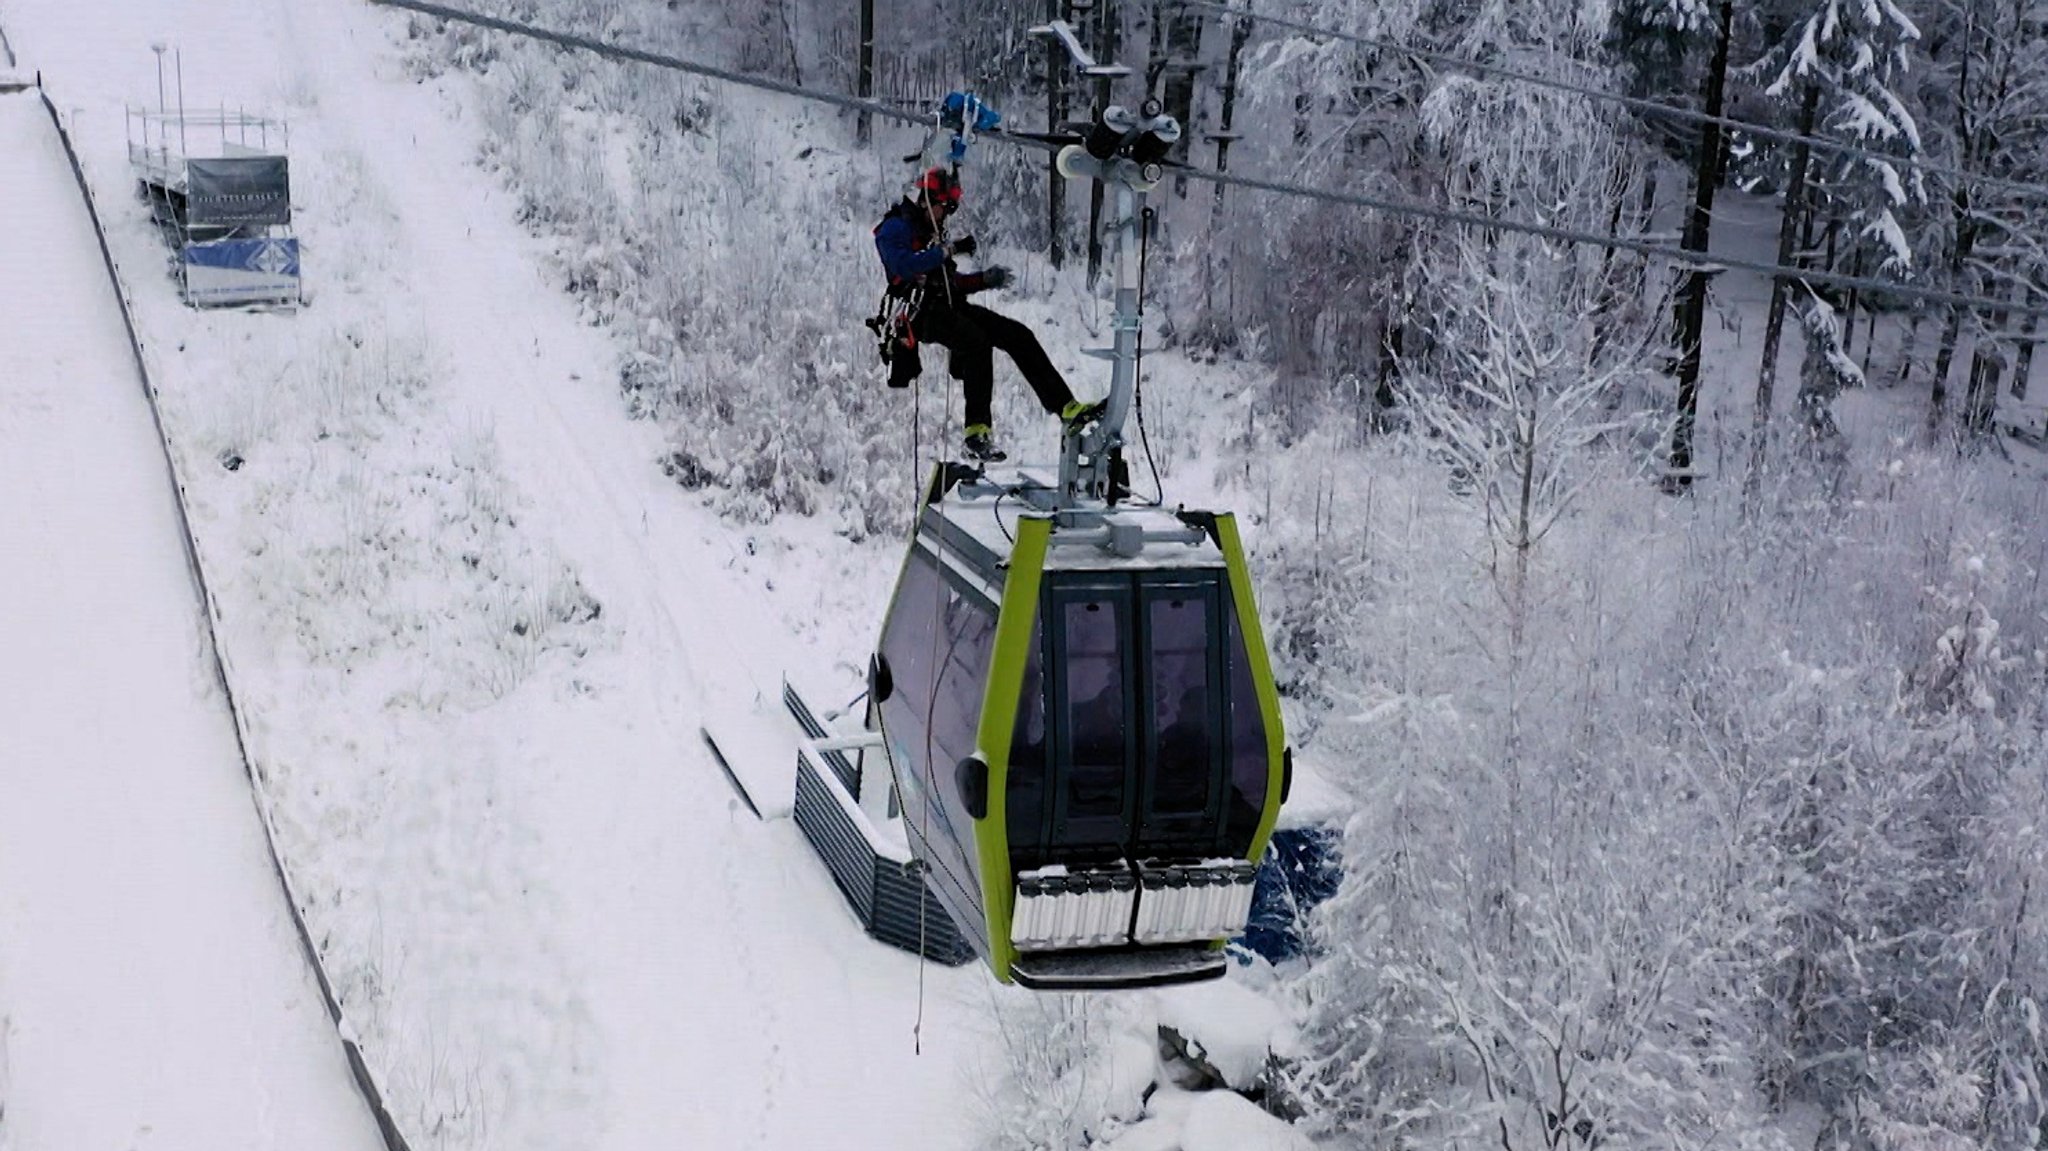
(1840, 62)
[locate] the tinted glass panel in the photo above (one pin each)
(1095, 708)
(1182, 705)
(938, 646)
(907, 645)
(1024, 795)
(1248, 762)
(970, 636)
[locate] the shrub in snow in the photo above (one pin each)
(1070, 1068)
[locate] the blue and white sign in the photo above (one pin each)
(242, 271)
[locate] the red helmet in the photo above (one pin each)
(939, 186)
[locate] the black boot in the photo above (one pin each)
(982, 449)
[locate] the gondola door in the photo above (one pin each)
(1182, 716)
(1139, 717)
(1094, 743)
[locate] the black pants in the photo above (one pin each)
(972, 334)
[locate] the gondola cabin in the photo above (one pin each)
(1082, 727)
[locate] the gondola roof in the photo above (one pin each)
(975, 520)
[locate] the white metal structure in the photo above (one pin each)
(219, 184)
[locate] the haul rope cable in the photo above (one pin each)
(1637, 103)
(1354, 199)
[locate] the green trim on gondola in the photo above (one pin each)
(998, 719)
(1262, 677)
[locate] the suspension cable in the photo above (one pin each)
(659, 60)
(1636, 103)
(1623, 243)
(1635, 244)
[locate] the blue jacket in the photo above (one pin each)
(911, 251)
(906, 240)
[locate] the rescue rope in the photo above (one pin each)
(931, 706)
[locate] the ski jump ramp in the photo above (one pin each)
(152, 989)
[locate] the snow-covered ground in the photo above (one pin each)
(152, 988)
(475, 632)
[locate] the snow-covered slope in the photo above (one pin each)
(476, 632)
(152, 990)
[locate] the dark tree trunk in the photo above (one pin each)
(1965, 230)
(1615, 284)
(1774, 320)
(1170, 73)
(2023, 364)
(1692, 302)
(1056, 65)
(1980, 397)
(1240, 33)
(1849, 309)
(1981, 402)
(1108, 38)
(1952, 330)
(864, 80)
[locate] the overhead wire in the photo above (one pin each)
(1706, 260)
(1635, 103)
(658, 59)
(1634, 244)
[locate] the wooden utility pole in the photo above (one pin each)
(864, 82)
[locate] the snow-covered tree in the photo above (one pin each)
(1987, 99)
(1840, 62)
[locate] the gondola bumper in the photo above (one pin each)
(1130, 967)
(1062, 909)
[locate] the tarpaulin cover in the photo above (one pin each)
(237, 190)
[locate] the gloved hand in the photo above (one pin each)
(996, 276)
(964, 246)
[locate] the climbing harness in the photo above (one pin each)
(893, 334)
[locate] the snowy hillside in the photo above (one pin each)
(1702, 820)
(475, 698)
(475, 629)
(151, 984)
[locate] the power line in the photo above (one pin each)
(1648, 107)
(1354, 199)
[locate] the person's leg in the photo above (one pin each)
(971, 361)
(1024, 350)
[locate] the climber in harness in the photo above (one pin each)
(927, 303)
